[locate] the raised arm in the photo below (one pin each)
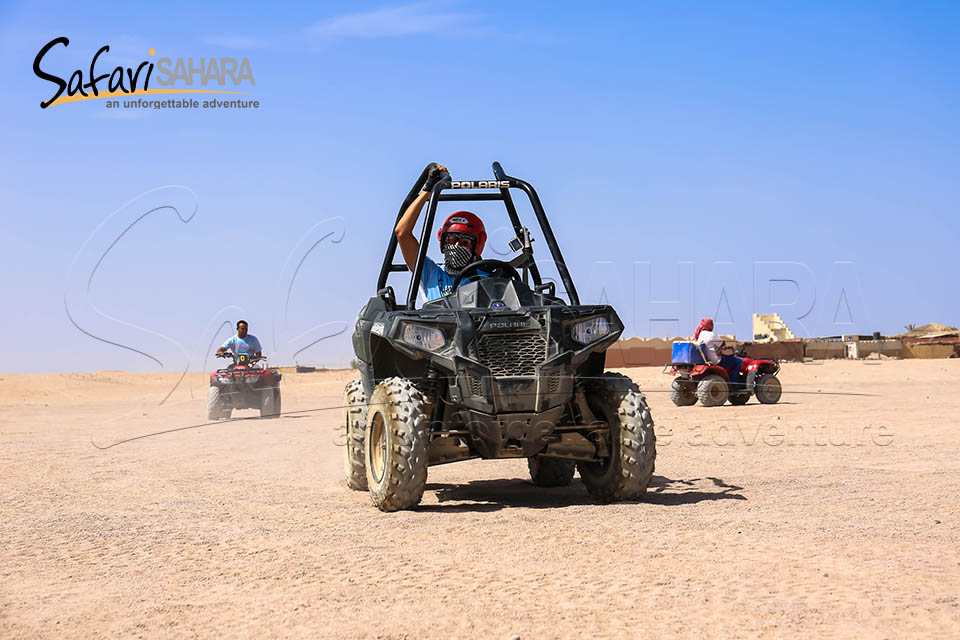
(409, 246)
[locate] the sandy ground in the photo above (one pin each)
(827, 515)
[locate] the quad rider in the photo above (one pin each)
(462, 237)
(241, 385)
(712, 343)
(243, 343)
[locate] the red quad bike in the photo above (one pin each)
(245, 384)
(713, 384)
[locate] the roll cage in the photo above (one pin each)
(467, 191)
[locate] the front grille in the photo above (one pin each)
(512, 354)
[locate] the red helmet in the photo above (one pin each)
(465, 222)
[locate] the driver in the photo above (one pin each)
(712, 342)
(461, 236)
(242, 343)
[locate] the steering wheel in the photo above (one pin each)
(496, 268)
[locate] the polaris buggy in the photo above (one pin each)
(502, 367)
(245, 384)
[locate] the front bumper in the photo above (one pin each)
(511, 435)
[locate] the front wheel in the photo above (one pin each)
(550, 472)
(626, 473)
(768, 389)
(395, 445)
(215, 409)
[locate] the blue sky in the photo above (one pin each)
(694, 160)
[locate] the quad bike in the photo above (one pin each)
(502, 367)
(713, 384)
(245, 384)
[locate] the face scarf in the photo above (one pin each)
(455, 258)
(705, 324)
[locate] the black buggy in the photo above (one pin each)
(502, 367)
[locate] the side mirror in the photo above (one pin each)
(388, 296)
(522, 242)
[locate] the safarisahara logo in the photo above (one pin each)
(167, 75)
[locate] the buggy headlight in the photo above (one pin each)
(422, 336)
(590, 330)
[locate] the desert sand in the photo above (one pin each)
(834, 513)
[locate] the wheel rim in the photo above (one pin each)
(716, 391)
(378, 446)
(771, 389)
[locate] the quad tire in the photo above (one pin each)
(395, 445)
(683, 393)
(550, 472)
(270, 403)
(739, 399)
(354, 427)
(626, 474)
(768, 388)
(713, 390)
(215, 410)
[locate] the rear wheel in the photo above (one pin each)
(625, 475)
(683, 392)
(395, 445)
(215, 405)
(713, 390)
(550, 472)
(354, 427)
(739, 399)
(768, 389)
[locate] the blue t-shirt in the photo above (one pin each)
(249, 345)
(435, 282)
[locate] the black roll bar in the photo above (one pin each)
(388, 265)
(425, 240)
(437, 195)
(548, 236)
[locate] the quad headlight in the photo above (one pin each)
(590, 330)
(423, 336)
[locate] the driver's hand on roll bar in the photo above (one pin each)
(433, 176)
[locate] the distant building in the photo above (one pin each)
(932, 340)
(770, 327)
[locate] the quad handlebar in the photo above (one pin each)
(236, 357)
